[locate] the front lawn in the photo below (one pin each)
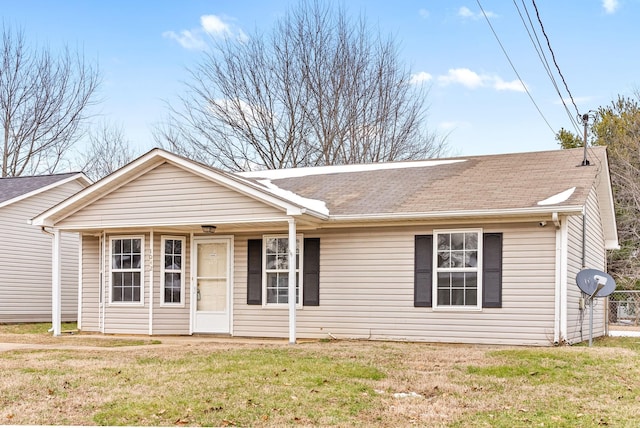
(338, 383)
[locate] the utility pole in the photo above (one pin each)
(585, 121)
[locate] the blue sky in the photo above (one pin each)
(144, 48)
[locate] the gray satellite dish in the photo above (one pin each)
(594, 283)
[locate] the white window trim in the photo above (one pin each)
(299, 269)
(142, 257)
(163, 239)
(477, 269)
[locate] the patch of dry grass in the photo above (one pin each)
(341, 383)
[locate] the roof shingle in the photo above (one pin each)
(13, 187)
(472, 183)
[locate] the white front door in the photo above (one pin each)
(212, 285)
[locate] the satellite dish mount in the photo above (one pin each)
(594, 284)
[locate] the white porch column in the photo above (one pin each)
(292, 281)
(56, 286)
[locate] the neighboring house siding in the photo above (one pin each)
(170, 319)
(90, 283)
(577, 320)
(366, 291)
(169, 195)
(25, 265)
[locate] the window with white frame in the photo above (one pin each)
(172, 270)
(126, 269)
(276, 269)
(457, 273)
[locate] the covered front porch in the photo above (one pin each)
(164, 247)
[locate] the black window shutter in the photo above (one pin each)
(492, 270)
(423, 271)
(311, 274)
(254, 272)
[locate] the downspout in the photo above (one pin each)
(56, 288)
(103, 285)
(292, 281)
(564, 277)
(192, 285)
(584, 237)
(46, 232)
(150, 283)
(80, 285)
(558, 275)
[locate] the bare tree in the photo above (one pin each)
(44, 101)
(108, 151)
(617, 126)
(319, 89)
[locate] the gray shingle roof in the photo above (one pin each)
(471, 183)
(13, 187)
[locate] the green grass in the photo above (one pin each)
(560, 387)
(337, 383)
(39, 333)
(34, 328)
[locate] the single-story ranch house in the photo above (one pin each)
(25, 265)
(477, 249)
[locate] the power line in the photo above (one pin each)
(543, 59)
(553, 56)
(514, 69)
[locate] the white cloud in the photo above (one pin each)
(420, 77)
(467, 13)
(449, 126)
(514, 85)
(424, 13)
(213, 24)
(473, 80)
(610, 6)
(463, 76)
(210, 25)
(187, 39)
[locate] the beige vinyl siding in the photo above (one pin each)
(123, 318)
(90, 283)
(25, 265)
(366, 291)
(577, 320)
(170, 195)
(170, 319)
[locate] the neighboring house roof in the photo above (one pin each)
(471, 186)
(13, 189)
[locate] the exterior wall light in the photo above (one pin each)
(208, 228)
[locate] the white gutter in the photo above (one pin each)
(459, 214)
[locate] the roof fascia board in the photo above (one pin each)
(569, 209)
(83, 179)
(604, 192)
